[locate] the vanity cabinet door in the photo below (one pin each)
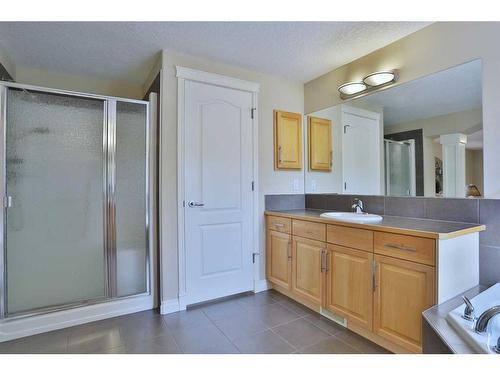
(320, 144)
(403, 290)
(287, 140)
(307, 267)
(349, 284)
(278, 258)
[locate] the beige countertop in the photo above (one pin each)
(395, 224)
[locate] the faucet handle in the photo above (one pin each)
(469, 309)
(496, 348)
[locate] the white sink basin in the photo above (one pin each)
(483, 301)
(353, 217)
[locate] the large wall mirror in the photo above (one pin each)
(421, 138)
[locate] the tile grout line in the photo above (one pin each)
(336, 338)
(217, 327)
(285, 340)
(173, 336)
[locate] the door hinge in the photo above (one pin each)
(252, 110)
(253, 185)
(253, 256)
(345, 185)
(183, 203)
(345, 128)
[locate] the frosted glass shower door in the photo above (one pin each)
(131, 198)
(400, 168)
(54, 176)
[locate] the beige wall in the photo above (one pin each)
(275, 93)
(466, 122)
(474, 168)
(63, 81)
(434, 48)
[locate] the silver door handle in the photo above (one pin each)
(400, 247)
(195, 204)
(323, 260)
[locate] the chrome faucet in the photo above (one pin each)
(358, 206)
(469, 309)
(484, 319)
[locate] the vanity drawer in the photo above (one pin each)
(279, 224)
(416, 249)
(307, 229)
(361, 239)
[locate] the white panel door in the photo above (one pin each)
(361, 154)
(218, 183)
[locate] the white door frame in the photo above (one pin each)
(186, 74)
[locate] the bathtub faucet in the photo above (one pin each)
(484, 318)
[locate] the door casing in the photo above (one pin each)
(184, 74)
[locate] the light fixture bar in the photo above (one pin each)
(371, 82)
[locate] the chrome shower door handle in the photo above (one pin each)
(7, 202)
(195, 204)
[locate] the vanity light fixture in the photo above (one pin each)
(352, 88)
(380, 78)
(371, 82)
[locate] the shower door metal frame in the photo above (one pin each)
(109, 201)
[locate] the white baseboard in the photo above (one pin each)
(261, 285)
(170, 306)
(22, 327)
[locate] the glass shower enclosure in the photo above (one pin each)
(400, 169)
(75, 185)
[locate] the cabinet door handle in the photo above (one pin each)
(331, 158)
(323, 260)
(400, 247)
(289, 250)
(279, 154)
(374, 276)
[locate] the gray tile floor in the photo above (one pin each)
(266, 322)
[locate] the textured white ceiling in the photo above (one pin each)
(453, 90)
(299, 51)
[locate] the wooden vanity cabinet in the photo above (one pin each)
(379, 281)
(349, 286)
(403, 290)
(278, 259)
(308, 269)
(287, 140)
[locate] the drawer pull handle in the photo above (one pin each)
(279, 225)
(400, 247)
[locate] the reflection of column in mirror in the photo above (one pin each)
(453, 164)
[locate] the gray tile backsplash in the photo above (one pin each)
(315, 201)
(483, 211)
(489, 264)
(396, 206)
(450, 209)
(285, 201)
(489, 215)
